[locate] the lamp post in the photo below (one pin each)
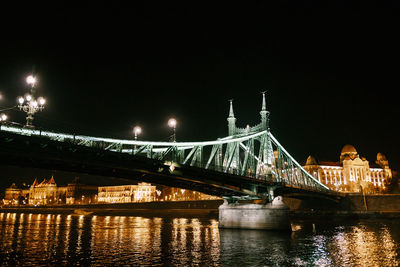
(172, 123)
(137, 130)
(29, 104)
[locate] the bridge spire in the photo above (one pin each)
(231, 119)
(264, 113)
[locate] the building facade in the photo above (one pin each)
(179, 194)
(352, 173)
(46, 193)
(141, 192)
(14, 196)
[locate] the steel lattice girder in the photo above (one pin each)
(229, 154)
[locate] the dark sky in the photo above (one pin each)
(331, 71)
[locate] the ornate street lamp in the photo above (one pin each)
(172, 123)
(29, 104)
(136, 130)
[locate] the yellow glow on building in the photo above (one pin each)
(45, 192)
(178, 194)
(352, 173)
(141, 192)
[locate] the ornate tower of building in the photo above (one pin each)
(264, 114)
(231, 120)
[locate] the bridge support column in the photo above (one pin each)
(271, 216)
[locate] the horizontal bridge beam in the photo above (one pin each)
(188, 145)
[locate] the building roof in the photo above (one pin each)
(35, 183)
(380, 157)
(348, 149)
(311, 161)
(329, 163)
(51, 181)
(44, 182)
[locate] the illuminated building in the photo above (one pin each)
(141, 192)
(78, 193)
(178, 194)
(144, 192)
(46, 192)
(351, 173)
(13, 195)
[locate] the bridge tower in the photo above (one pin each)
(264, 114)
(231, 120)
(273, 215)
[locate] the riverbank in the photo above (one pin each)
(353, 206)
(344, 215)
(173, 208)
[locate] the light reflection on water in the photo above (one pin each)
(42, 239)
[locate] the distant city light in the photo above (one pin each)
(21, 100)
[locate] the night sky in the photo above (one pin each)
(331, 71)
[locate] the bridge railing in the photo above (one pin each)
(292, 172)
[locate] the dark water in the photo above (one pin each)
(65, 240)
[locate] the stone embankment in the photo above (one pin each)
(196, 208)
(353, 205)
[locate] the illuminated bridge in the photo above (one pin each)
(249, 163)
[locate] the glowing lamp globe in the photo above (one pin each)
(42, 101)
(31, 80)
(28, 97)
(172, 123)
(137, 130)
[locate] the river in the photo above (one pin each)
(65, 240)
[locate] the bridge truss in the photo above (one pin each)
(256, 155)
(251, 152)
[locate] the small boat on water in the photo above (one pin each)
(82, 212)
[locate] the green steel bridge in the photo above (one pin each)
(249, 163)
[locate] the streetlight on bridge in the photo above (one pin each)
(136, 130)
(29, 104)
(172, 123)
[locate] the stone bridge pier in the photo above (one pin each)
(270, 216)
